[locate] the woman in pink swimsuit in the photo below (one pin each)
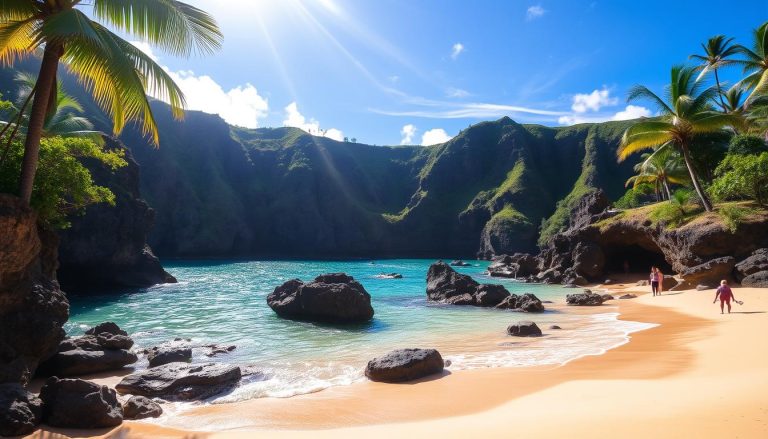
(656, 280)
(726, 294)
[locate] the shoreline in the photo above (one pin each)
(502, 397)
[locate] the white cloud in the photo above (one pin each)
(593, 101)
(534, 12)
(434, 136)
(408, 132)
(475, 110)
(456, 50)
(293, 118)
(241, 105)
(453, 92)
(632, 112)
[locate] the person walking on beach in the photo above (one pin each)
(656, 281)
(726, 294)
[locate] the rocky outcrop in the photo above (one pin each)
(709, 273)
(181, 381)
(20, 411)
(75, 403)
(757, 261)
(140, 407)
(524, 329)
(335, 298)
(525, 303)
(756, 280)
(404, 365)
(445, 285)
(584, 299)
(519, 265)
(107, 246)
(160, 355)
(32, 307)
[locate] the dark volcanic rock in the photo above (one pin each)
(518, 265)
(607, 297)
(160, 355)
(85, 343)
(756, 262)
(524, 329)
(113, 341)
(141, 407)
(79, 362)
(336, 298)
(459, 263)
(107, 246)
(106, 327)
(32, 307)
(584, 299)
(708, 273)
(526, 303)
(76, 403)
(756, 280)
(404, 365)
(555, 327)
(181, 381)
(20, 411)
(445, 285)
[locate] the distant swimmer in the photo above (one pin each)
(726, 294)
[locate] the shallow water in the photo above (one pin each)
(225, 303)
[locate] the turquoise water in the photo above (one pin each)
(225, 303)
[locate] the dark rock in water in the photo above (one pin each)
(216, 350)
(20, 411)
(32, 307)
(756, 280)
(335, 298)
(584, 299)
(106, 327)
(107, 246)
(628, 296)
(75, 403)
(607, 297)
(112, 341)
(448, 363)
(445, 285)
(79, 362)
(708, 273)
(160, 355)
(519, 265)
(390, 276)
(524, 329)
(526, 303)
(141, 407)
(555, 327)
(459, 263)
(404, 365)
(181, 381)
(756, 262)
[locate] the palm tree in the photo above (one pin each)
(686, 114)
(116, 73)
(756, 63)
(717, 50)
(659, 169)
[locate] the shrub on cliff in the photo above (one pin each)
(742, 177)
(63, 185)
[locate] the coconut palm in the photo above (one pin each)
(756, 63)
(662, 167)
(686, 114)
(716, 55)
(116, 73)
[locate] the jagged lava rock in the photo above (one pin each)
(405, 365)
(756, 280)
(76, 403)
(445, 285)
(335, 298)
(20, 411)
(757, 261)
(181, 381)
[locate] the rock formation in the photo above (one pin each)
(709, 273)
(160, 355)
(524, 329)
(335, 298)
(525, 303)
(584, 299)
(404, 365)
(181, 381)
(20, 411)
(140, 407)
(75, 403)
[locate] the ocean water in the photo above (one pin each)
(224, 302)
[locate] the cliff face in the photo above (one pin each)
(32, 307)
(107, 247)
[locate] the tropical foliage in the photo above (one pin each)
(742, 177)
(115, 72)
(660, 169)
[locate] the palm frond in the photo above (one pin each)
(18, 39)
(639, 92)
(16, 10)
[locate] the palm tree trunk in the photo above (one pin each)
(666, 188)
(695, 179)
(43, 88)
(720, 92)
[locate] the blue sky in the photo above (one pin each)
(405, 71)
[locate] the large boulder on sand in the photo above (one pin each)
(756, 280)
(584, 299)
(445, 285)
(141, 407)
(20, 411)
(524, 329)
(525, 303)
(405, 365)
(181, 381)
(709, 273)
(160, 355)
(335, 298)
(755, 263)
(79, 362)
(75, 403)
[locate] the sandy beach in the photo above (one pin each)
(697, 374)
